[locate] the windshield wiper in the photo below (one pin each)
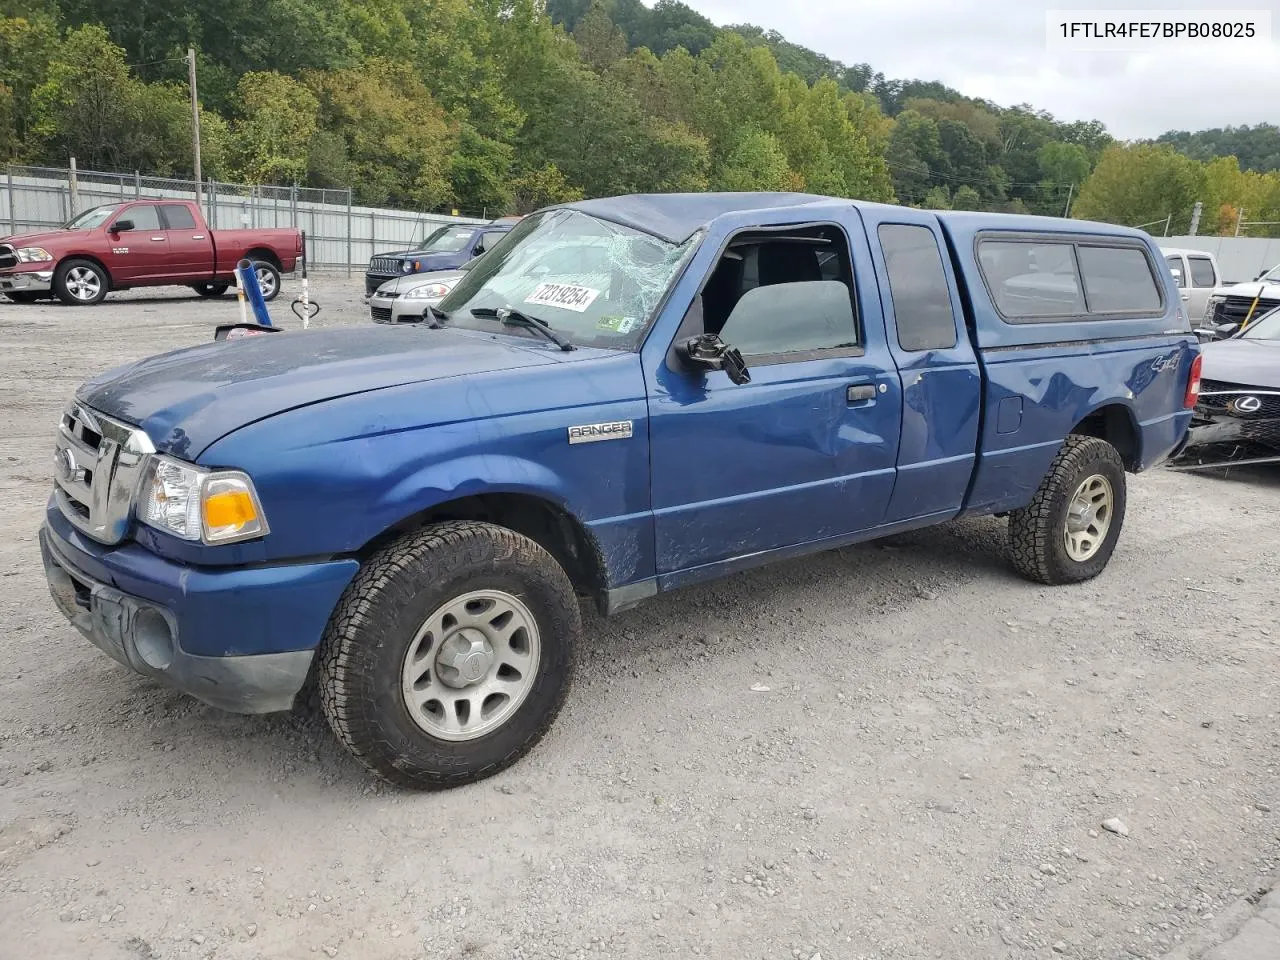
(437, 319)
(515, 318)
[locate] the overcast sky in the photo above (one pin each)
(996, 49)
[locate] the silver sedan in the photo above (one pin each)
(406, 299)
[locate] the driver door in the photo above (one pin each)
(804, 452)
(141, 253)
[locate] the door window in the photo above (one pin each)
(918, 287)
(177, 216)
(1202, 272)
(784, 298)
(144, 217)
(1178, 271)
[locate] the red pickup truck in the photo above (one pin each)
(143, 243)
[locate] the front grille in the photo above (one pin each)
(381, 314)
(1235, 309)
(384, 267)
(98, 464)
(1218, 398)
(8, 258)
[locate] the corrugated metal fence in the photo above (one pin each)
(339, 235)
(1239, 258)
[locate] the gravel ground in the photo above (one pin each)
(895, 750)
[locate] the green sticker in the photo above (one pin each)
(620, 325)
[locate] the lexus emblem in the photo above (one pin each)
(1247, 405)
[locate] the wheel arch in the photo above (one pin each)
(265, 254)
(1116, 424)
(92, 258)
(549, 524)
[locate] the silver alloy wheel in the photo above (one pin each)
(470, 665)
(83, 283)
(266, 281)
(1088, 518)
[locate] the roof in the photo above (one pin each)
(676, 216)
(1184, 250)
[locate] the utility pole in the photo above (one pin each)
(1239, 220)
(1167, 221)
(1195, 218)
(1067, 211)
(195, 122)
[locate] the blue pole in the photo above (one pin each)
(249, 283)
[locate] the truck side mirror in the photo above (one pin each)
(120, 226)
(708, 352)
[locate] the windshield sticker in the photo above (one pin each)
(619, 325)
(567, 296)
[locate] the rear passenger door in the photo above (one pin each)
(941, 383)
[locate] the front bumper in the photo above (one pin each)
(30, 281)
(240, 639)
(384, 309)
(1222, 440)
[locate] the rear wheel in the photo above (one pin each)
(210, 289)
(1069, 530)
(449, 655)
(268, 279)
(80, 283)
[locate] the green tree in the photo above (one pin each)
(396, 139)
(272, 135)
(938, 198)
(1141, 184)
(540, 188)
(966, 198)
(27, 45)
(757, 162)
(599, 39)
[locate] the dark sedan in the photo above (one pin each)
(1237, 420)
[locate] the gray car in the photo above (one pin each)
(406, 299)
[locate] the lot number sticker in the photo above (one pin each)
(563, 295)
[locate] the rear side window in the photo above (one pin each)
(177, 217)
(1036, 280)
(1202, 274)
(1032, 280)
(1118, 280)
(918, 287)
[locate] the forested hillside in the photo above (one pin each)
(504, 105)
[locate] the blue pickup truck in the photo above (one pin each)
(404, 519)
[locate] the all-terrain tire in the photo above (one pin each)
(370, 633)
(1037, 532)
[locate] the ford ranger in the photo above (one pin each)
(402, 519)
(143, 243)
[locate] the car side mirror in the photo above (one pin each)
(120, 226)
(708, 352)
(479, 249)
(1177, 274)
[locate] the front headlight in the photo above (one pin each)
(190, 502)
(1210, 305)
(427, 291)
(33, 254)
(406, 266)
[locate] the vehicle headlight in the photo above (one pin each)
(33, 254)
(1210, 304)
(428, 291)
(406, 266)
(190, 502)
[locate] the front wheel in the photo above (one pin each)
(80, 283)
(449, 655)
(1069, 530)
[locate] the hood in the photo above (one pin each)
(410, 280)
(38, 239)
(188, 399)
(1253, 363)
(1269, 291)
(447, 259)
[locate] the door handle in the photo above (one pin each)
(198, 236)
(160, 239)
(860, 392)
(1186, 296)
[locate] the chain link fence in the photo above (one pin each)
(338, 235)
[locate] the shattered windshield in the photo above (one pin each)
(594, 282)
